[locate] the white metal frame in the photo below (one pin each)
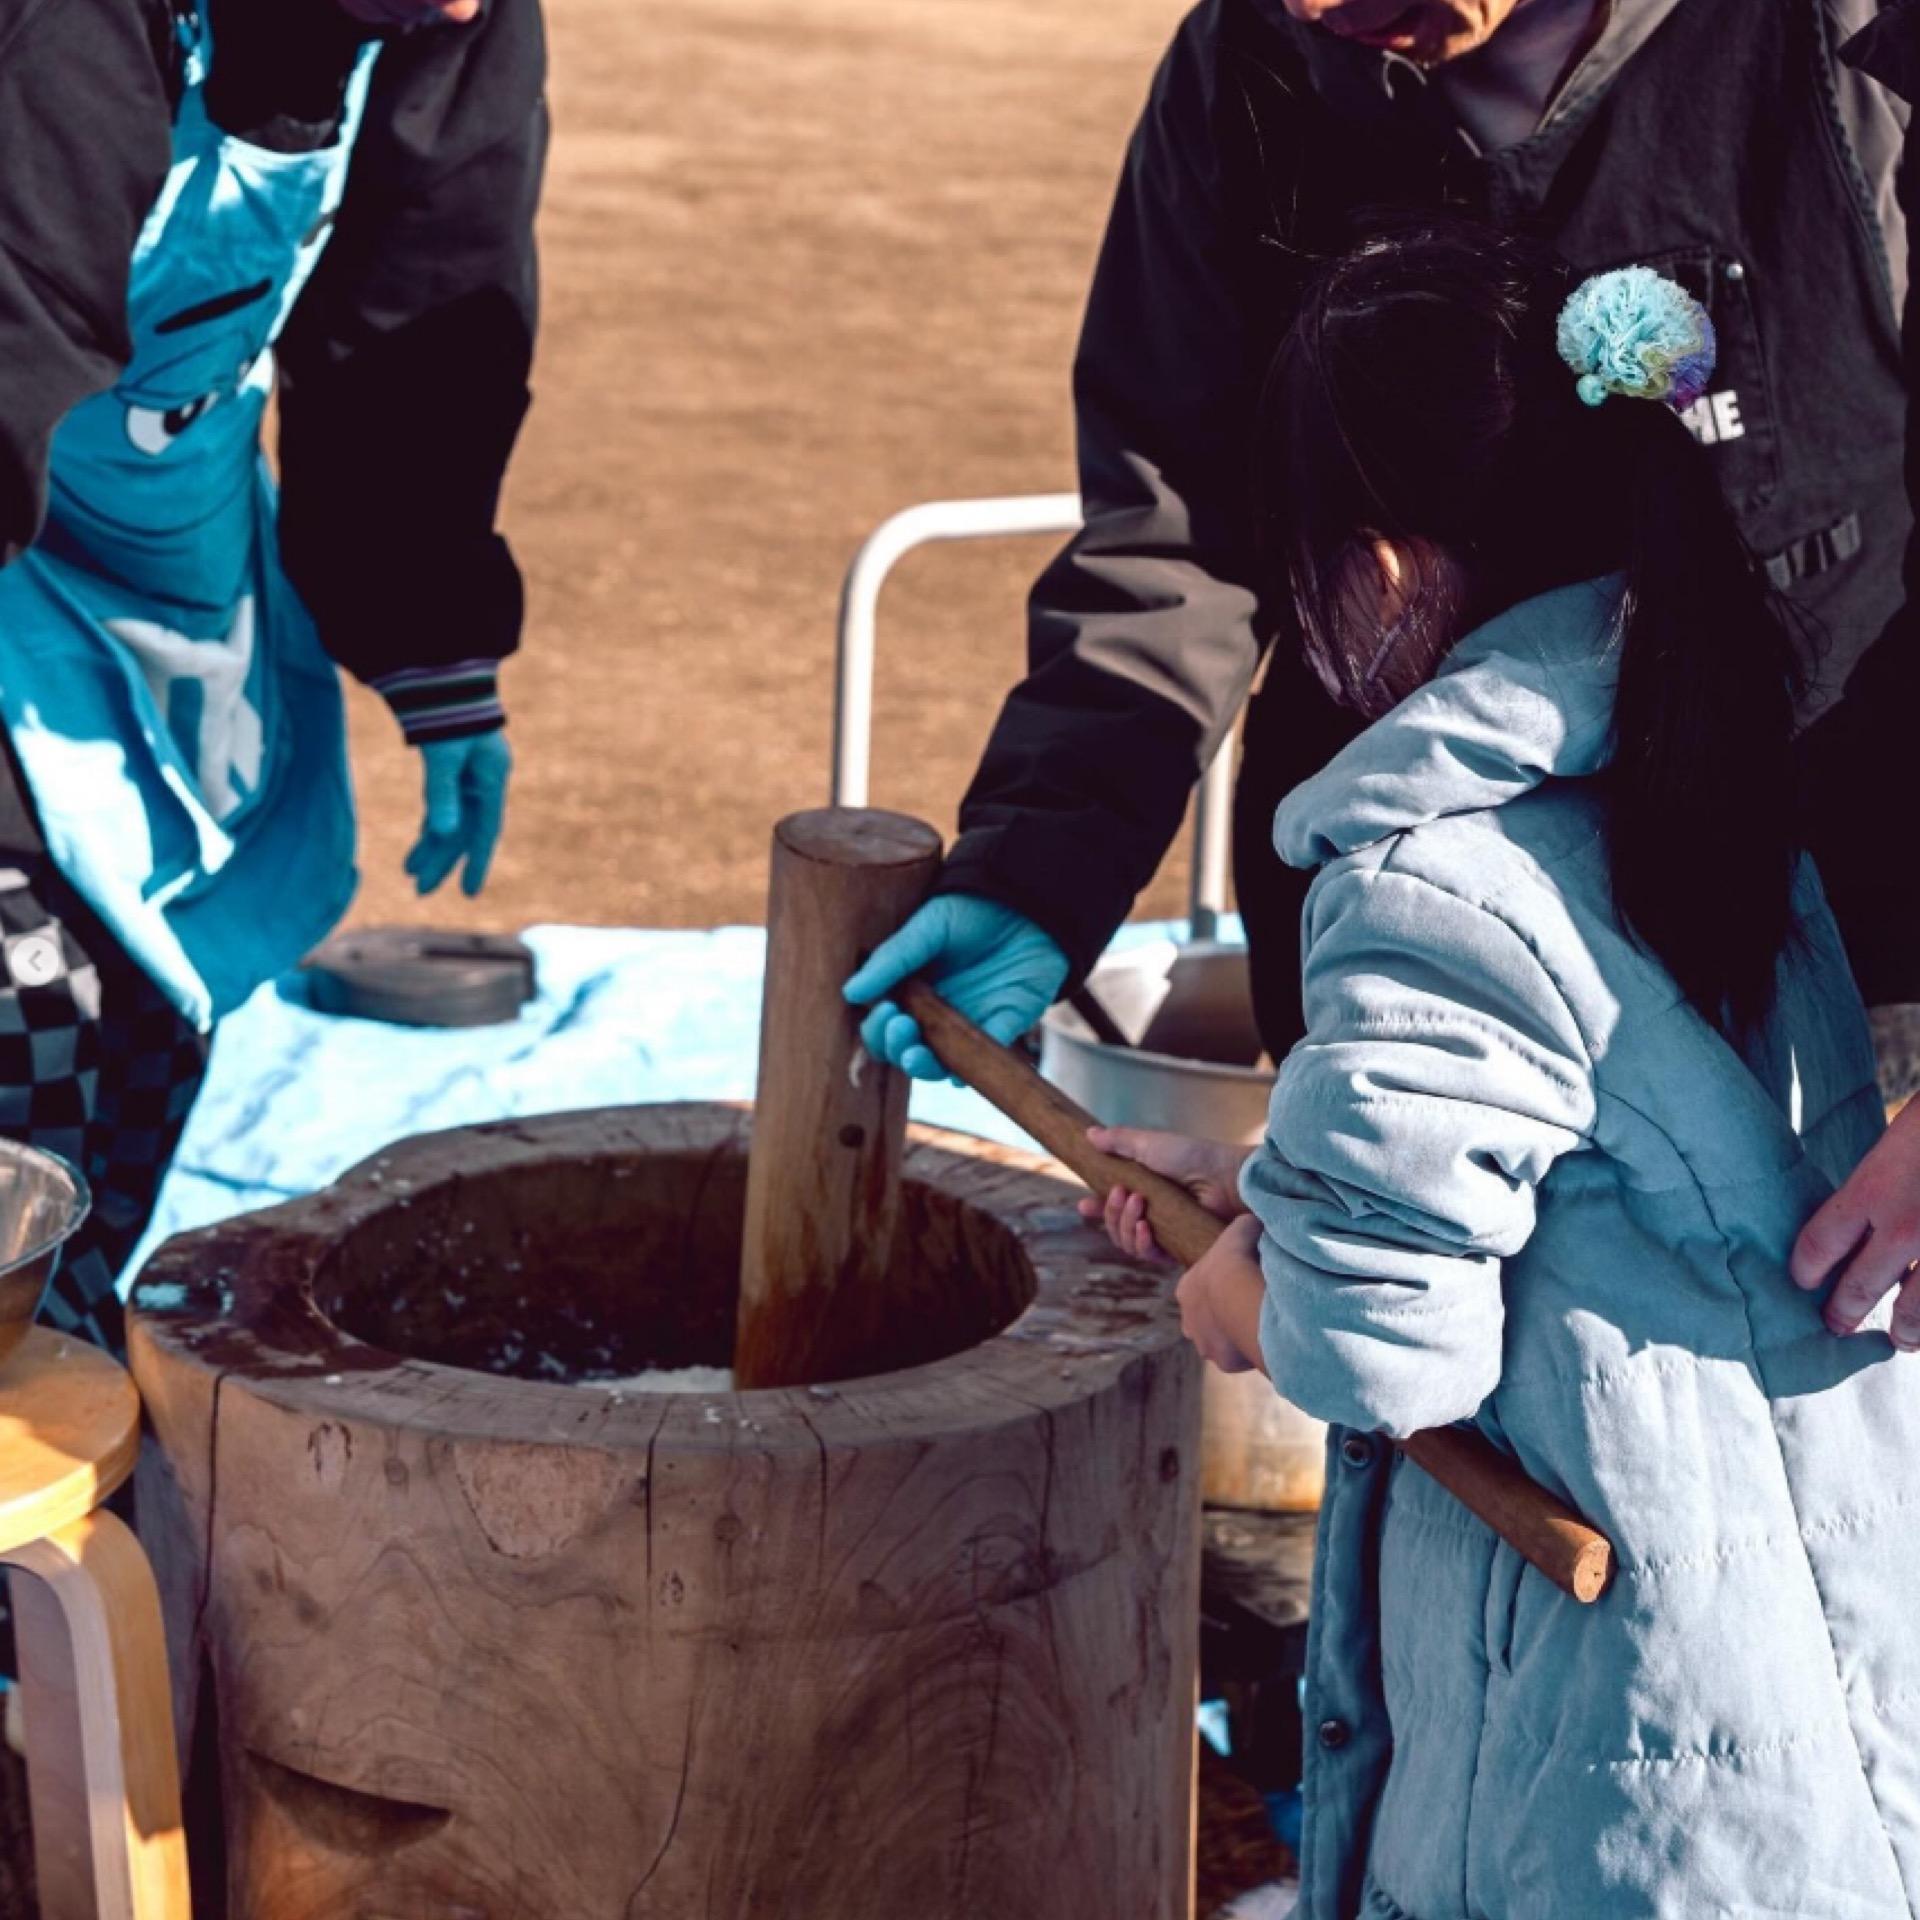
(997, 518)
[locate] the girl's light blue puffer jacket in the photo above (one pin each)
(1512, 1177)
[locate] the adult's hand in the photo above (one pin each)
(1869, 1234)
(1208, 1169)
(466, 801)
(985, 960)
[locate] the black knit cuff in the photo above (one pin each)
(444, 703)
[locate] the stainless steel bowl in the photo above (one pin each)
(1194, 1065)
(42, 1203)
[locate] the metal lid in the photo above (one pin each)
(421, 976)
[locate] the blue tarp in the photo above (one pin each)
(294, 1097)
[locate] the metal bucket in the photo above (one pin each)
(42, 1203)
(1195, 1067)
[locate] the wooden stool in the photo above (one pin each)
(102, 1775)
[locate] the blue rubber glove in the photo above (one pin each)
(991, 963)
(466, 800)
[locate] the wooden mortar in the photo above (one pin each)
(452, 1639)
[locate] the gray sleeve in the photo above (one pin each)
(1876, 119)
(1854, 758)
(84, 144)
(404, 369)
(1141, 634)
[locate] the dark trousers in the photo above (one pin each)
(96, 1065)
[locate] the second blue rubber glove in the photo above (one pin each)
(992, 964)
(466, 801)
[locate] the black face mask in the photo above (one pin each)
(280, 70)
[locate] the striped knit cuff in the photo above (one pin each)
(444, 703)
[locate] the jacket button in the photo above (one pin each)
(1357, 1450)
(1333, 1735)
(1734, 271)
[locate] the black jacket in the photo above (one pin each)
(403, 371)
(1723, 139)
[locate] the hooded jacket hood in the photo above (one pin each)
(1524, 699)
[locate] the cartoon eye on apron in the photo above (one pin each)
(154, 429)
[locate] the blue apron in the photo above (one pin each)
(180, 728)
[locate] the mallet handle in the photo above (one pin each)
(1538, 1525)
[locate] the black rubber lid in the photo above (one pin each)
(421, 976)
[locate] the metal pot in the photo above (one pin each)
(1195, 1066)
(42, 1203)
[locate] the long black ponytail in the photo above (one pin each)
(1703, 820)
(1418, 398)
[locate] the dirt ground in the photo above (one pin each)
(805, 261)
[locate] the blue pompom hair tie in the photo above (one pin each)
(1636, 333)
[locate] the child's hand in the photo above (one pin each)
(1208, 1169)
(1221, 1297)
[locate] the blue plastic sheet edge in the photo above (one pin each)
(623, 1015)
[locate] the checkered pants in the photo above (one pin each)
(95, 1065)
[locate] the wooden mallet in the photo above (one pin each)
(1538, 1525)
